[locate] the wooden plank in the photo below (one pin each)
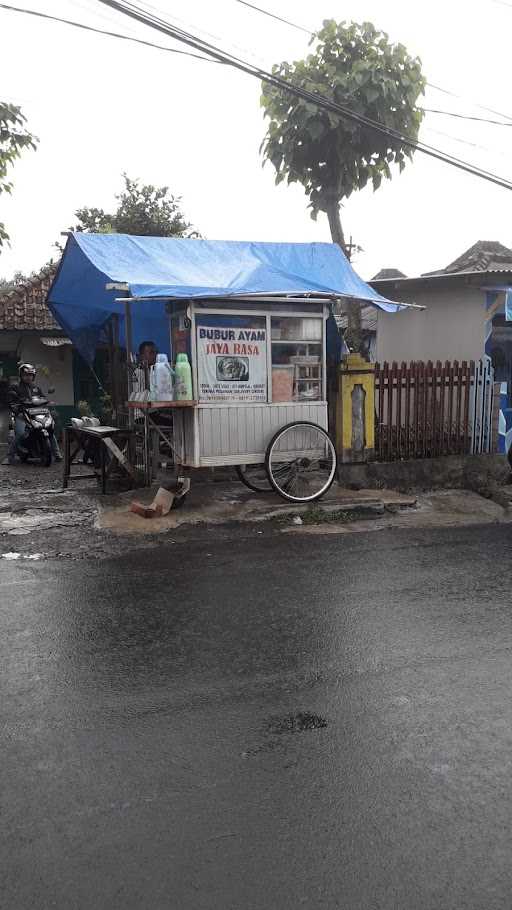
(389, 412)
(451, 395)
(407, 425)
(434, 409)
(121, 457)
(427, 411)
(457, 370)
(392, 424)
(415, 409)
(442, 400)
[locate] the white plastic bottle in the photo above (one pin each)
(162, 379)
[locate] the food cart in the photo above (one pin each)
(251, 319)
(258, 369)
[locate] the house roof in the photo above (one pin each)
(487, 262)
(24, 309)
(483, 256)
(388, 273)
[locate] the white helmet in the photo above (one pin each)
(27, 368)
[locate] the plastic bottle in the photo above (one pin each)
(161, 379)
(183, 378)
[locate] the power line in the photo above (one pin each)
(100, 31)
(474, 145)
(140, 15)
(93, 29)
(307, 31)
(151, 44)
(430, 110)
(274, 16)
(482, 107)
(170, 50)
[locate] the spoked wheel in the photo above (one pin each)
(301, 462)
(255, 477)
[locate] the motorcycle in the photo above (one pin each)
(39, 427)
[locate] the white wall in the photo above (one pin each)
(452, 327)
(58, 362)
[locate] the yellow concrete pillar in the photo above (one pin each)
(355, 412)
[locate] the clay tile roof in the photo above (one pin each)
(483, 256)
(24, 308)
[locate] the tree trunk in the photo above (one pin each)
(351, 308)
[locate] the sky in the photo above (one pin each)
(101, 106)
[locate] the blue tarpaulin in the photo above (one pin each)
(156, 267)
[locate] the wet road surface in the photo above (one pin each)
(274, 722)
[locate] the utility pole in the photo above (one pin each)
(352, 248)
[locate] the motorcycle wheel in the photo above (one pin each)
(44, 451)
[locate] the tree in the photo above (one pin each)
(143, 210)
(10, 284)
(331, 156)
(14, 137)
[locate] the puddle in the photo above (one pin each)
(296, 723)
(21, 556)
(27, 520)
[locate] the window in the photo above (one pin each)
(297, 346)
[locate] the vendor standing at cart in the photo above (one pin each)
(148, 352)
(147, 359)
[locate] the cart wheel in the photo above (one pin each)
(254, 476)
(301, 462)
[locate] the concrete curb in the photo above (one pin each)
(368, 507)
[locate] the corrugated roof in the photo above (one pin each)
(368, 319)
(24, 309)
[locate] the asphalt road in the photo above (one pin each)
(260, 722)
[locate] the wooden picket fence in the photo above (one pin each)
(426, 409)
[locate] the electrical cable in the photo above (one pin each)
(265, 12)
(430, 110)
(209, 60)
(300, 28)
(160, 47)
(139, 14)
(100, 31)
(481, 107)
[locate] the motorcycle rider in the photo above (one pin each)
(24, 392)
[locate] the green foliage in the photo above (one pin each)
(353, 65)
(143, 210)
(14, 137)
(10, 284)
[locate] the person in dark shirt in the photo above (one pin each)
(26, 389)
(24, 392)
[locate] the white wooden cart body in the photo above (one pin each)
(232, 432)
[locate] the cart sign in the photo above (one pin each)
(232, 363)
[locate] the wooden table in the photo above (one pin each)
(158, 431)
(110, 439)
